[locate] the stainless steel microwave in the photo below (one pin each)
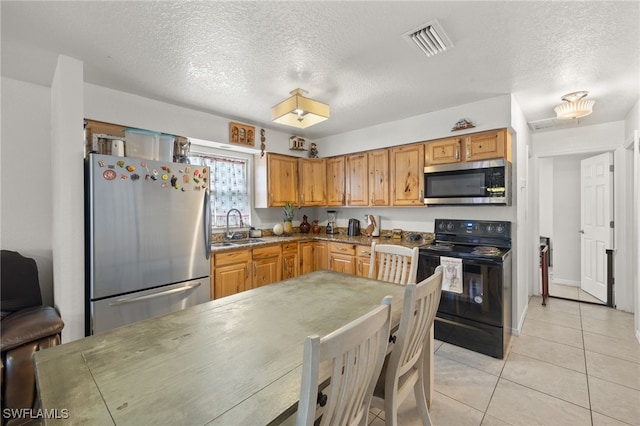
(478, 182)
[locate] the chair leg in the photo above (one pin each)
(391, 406)
(421, 399)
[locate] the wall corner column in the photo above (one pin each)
(67, 189)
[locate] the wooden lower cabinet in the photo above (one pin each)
(363, 254)
(231, 273)
(342, 258)
(289, 260)
(313, 256)
(267, 265)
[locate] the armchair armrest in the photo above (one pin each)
(28, 325)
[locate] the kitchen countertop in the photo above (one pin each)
(338, 238)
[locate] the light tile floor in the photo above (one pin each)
(573, 364)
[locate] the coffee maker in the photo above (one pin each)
(331, 223)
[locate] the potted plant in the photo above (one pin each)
(288, 217)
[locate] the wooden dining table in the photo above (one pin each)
(231, 361)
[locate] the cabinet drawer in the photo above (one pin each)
(232, 257)
(266, 252)
(348, 249)
(290, 247)
(363, 251)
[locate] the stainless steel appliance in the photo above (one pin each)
(147, 239)
(479, 182)
(476, 312)
(353, 230)
(331, 223)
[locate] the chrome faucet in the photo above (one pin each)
(230, 235)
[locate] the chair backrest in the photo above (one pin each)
(418, 313)
(355, 353)
(19, 282)
(397, 265)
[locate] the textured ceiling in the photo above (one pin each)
(237, 58)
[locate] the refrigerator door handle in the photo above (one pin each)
(207, 224)
(129, 300)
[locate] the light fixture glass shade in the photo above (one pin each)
(577, 109)
(299, 111)
(575, 106)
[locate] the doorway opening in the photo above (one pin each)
(562, 230)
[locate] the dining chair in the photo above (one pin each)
(397, 264)
(353, 354)
(403, 369)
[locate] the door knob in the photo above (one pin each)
(581, 231)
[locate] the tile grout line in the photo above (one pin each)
(586, 369)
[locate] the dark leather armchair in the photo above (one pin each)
(26, 327)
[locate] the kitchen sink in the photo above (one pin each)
(223, 244)
(250, 241)
(233, 243)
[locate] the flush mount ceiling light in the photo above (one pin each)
(575, 106)
(299, 111)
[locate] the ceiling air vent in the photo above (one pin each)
(430, 38)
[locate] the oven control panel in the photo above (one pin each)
(478, 228)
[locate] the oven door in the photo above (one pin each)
(481, 298)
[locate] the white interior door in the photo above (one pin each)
(595, 222)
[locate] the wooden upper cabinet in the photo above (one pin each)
(379, 177)
(443, 151)
(312, 183)
(276, 180)
(357, 179)
(407, 175)
(488, 145)
(336, 181)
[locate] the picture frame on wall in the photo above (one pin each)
(242, 134)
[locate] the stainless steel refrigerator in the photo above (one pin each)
(148, 239)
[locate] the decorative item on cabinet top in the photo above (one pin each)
(242, 134)
(313, 152)
(296, 143)
(463, 123)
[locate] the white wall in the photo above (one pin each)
(25, 175)
(545, 196)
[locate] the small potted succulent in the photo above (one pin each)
(288, 217)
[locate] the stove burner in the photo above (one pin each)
(486, 250)
(441, 247)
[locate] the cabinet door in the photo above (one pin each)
(407, 175)
(266, 271)
(312, 182)
(267, 267)
(342, 263)
(306, 257)
(336, 181)
(379, 177)
(231, 279)
(485, 146)
(363, 260)
(443, 151)
(320, 255)
(289, 265)
(357, 181)
(282, 174)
